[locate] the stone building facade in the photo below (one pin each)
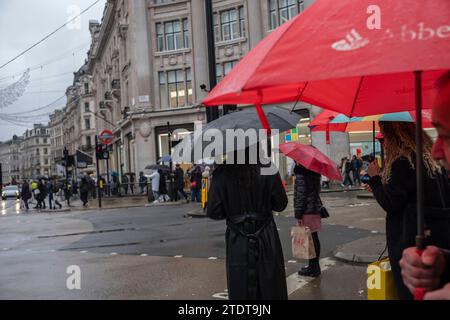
(35, 152)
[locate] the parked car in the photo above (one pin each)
(10, 192)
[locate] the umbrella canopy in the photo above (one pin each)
(334, 121)
(157, 167)
(323, 122)
(396, 116)
(349, 68)
(277, 117)
(165, 158)
(312, 159)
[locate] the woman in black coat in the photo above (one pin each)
(245, 198)
(395, 190)
(307, 205)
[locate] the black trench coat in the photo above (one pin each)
(398, 199)
(255, 262)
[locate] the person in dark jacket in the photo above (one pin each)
(132, 180)
(163, 193)
(356, 165)
(142, 182)
(346, 169)
(179, 184)
(42, 195)
(84, 191)
(125, 183)
(196, 183)
(50, 193)
(254, 261)
(307, 205)
(25, 193)
(67, 191)
(395, 190)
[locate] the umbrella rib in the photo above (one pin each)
(356, 96)
(299, 96)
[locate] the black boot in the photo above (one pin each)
(313, 269)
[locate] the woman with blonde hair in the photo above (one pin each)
(394, 188)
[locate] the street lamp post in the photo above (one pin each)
(66, 162)
(1, 178)
(169, 140)
(212, 113)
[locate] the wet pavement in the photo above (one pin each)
(160, 253)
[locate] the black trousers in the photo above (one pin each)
(316, 241)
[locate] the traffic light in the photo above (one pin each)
(102, 152)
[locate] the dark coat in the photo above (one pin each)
(25, 193)
(84, 186)
(306, 192)
(398, 199)
(255, 264)
(179, 178)
(162, 183)
(196, 176)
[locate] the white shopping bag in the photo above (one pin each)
(302, 243)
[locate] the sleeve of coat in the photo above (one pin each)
(393, 196)
(279, 198)
(215, 208)
(300, 198)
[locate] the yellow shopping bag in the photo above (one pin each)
(380, 281)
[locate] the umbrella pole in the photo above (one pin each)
(420, 238)
(373, 139)
(266, 126)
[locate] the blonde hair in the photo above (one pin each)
(399, 142)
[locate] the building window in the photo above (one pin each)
(175, 88)
(45, 140)
(37, 140)
(86, 88)
(86, 107)
(88, 141)
(281, 11)
(45, 151)
(222, 69)
(87, 123)
(172, 35)
(229, 24)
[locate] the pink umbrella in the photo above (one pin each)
(312, 159)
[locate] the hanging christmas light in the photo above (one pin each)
(11, 93)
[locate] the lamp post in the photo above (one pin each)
(1, 178)
(212, 113)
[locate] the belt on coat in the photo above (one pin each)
(253, 246)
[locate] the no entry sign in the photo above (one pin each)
(106, 137)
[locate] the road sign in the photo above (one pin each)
(106, 137)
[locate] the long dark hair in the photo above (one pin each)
(244, 174)
(399, 142)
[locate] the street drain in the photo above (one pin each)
(85, 233)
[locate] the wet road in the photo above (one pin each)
(156, 253)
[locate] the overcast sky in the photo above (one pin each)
(23, 23)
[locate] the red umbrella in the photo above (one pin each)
(312, 159)
(329, 57)
(325, 121)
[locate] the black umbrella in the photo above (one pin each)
(157, 167)
(279, 118)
